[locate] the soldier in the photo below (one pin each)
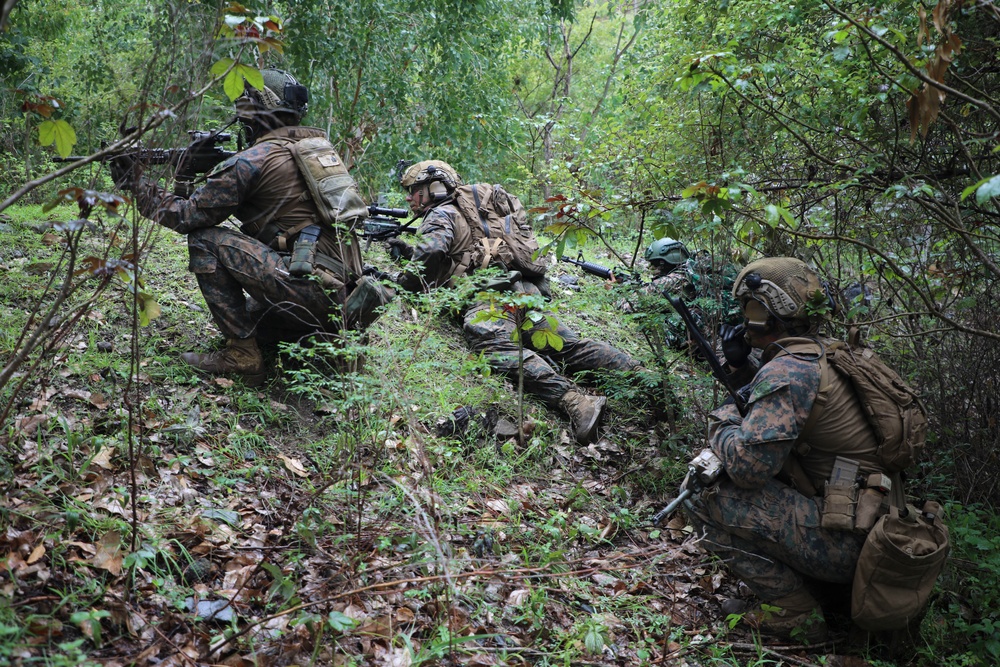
(443, 254)
(700, 281)
(244, 275)
(804, 428)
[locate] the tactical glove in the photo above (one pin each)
(398, 248)
(125, 172)
(735, 347)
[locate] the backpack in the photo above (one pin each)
(332, 188)
(891, 407)
(500, 231)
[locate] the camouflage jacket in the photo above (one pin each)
(780, 398)
(259, 185)
(445, 243)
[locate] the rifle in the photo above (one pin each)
(199, 157)
(703, 470)
(708, 353)
(618, 275)
(381, 224)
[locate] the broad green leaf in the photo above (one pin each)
(233, 85)
(555, 341)
(221, 66)
(339, 622)
(539, 340)
(775, 214)
(60, 132)
(149, 309)
(252, 75)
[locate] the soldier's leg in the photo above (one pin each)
(771, 537)
(492, 338)
(587, 354)
(229, 265)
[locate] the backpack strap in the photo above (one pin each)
(490, 247)
(792, 470)
(483, 222)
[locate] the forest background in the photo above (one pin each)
(860, 136)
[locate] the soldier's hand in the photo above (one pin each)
(735, 347)
(125, 172)
(398, 248)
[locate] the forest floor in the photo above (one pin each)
(154, 516)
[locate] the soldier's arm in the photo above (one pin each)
(437, 233)
(754, 449)
(220, 197)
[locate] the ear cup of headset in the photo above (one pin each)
(437, 190)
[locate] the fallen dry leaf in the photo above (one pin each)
(109, 553)
(103, 457)
(294, 465)
(36, 554)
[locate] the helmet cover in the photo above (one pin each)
(674, 253)
(782, 285)
(430, 171)
(281, 93)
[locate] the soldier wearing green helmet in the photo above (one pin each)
(701, 280)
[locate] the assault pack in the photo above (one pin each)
(332, 188)
(891, 407)
(500, 231)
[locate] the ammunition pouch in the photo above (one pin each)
(840, 496)
(304, 251)
(363, 305)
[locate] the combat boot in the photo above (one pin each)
(799, 617)
(240, 357)
(585, 413)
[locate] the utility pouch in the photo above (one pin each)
(364, 304)
(304, 252)
(840, 496)
(899, 563)
(873, 501)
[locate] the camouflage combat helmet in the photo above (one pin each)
(431, 171)
(778, 289)
(667, 250)
(282, 94)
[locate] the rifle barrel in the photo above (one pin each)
(674, 504)
(706, 350)
(591, 268)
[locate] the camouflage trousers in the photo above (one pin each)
(771, 537)
(230, 265)
(493, 339)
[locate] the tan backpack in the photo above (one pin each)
(332, 188)
(892, 408)
(500, 231)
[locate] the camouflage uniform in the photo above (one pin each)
(443, 252)
(263, 188)
(766, 531)
(701, 284)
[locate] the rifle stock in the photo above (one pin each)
(708, 353)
